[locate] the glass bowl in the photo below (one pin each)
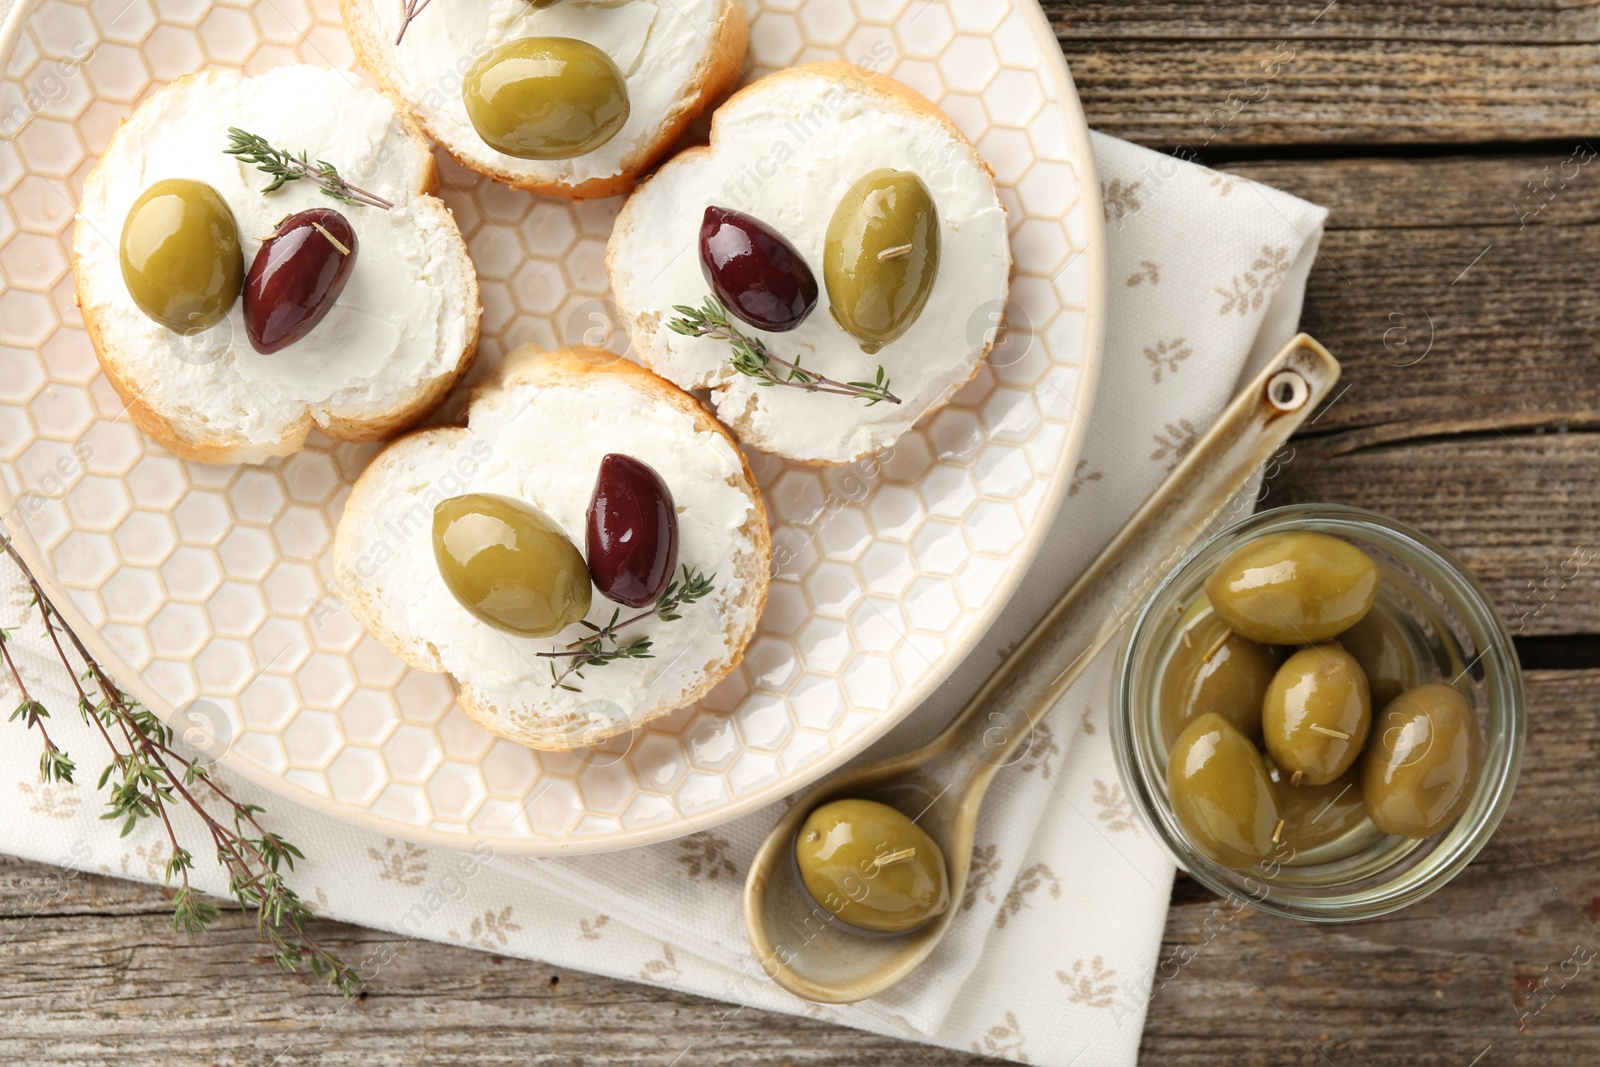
(1457, 637)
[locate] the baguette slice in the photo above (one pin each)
(786, 149)
(538, 435)
(403, 331)
(678, 57)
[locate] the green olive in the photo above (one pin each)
(871, 866)
(1420, 769)
(1313, 815)
(1387, 659)
(545, 98)
(1316, 715)
(1221, 793)
(1215, 670)
(882, 256)
(180, 255)
(510, 564)
(1293, 588)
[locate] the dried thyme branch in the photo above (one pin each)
(285, 168)
(603, 647)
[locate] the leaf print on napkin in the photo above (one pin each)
(985, 865)
(489, 931)
(1115, 808)
(1035, 878)
(1167, 355)
(51, 800)
(1092, 987)
(664, 969)
(1148, 271)
(1088, 727)
(1251, 288)
(1120, 199)
(1081, 476)
(591, 930)
(1174, 442)
(1003, 1041)
(705, 856)
(1223, 183)
(400, 862)
(1041, 746)
(153, 856)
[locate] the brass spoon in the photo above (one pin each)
(941, 785)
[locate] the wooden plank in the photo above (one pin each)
(1531, 21)
(1477, 966)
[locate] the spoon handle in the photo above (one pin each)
(1182, 510)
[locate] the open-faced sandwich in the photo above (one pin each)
(588, 553)
(832, 266)
(572, 98)
(258, 257)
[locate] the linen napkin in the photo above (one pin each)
(1052, 958)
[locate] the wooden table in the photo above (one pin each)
(1452, 142)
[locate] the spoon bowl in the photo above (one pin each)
(941, 785)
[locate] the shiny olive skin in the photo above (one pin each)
(1316, 714)
(1214, 670)
(545, 98)
(1423, 763)
(1293, 588)
(881, 256)
(632, 538)
(296, 277)
(756, 273)
(1386, 657)
(509, 564)
(1221, 793)
(181, 257)
(1313, 815)
(871, 866)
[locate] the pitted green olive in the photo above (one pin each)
(509, 564)
(1386, 657)
(180, 255)
(1221, 793)
(1293, 588)
(1215, 670)
(882, 256)
(870, 865)
(1316, 715)
(545, 98)
(1313, 815)
(1422, 765)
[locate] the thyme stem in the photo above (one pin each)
(284, 167)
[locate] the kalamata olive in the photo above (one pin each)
(882, 256)
(1387, 658)
(1221, 793)
(870, 865)
(754, 271)
(297, 275)
(633, 531)
(545, 97)
(180, 255)
(1215, 670)
(1316, 714)
(510, 564)
(1422, 765)
(1293, 588)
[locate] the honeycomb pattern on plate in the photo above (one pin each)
(212, 584)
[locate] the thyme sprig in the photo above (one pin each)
(285, 168)
(147, 777)
(604, 646)
(409, 9)
(752, 358)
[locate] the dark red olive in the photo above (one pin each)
(296, 277)
(633, 532)
(759, 276)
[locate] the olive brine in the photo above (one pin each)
(1293, 711)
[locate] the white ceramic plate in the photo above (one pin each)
(206, 589)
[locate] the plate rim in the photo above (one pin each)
(1089, 370)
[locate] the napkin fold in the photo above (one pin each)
(1053, 956)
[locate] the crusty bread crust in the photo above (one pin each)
(719, 69)
(415, 405)
(572, 367)
(641, 323)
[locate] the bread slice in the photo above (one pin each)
(786, 149)
(538, 434)
(403, 331)
(678, 56)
